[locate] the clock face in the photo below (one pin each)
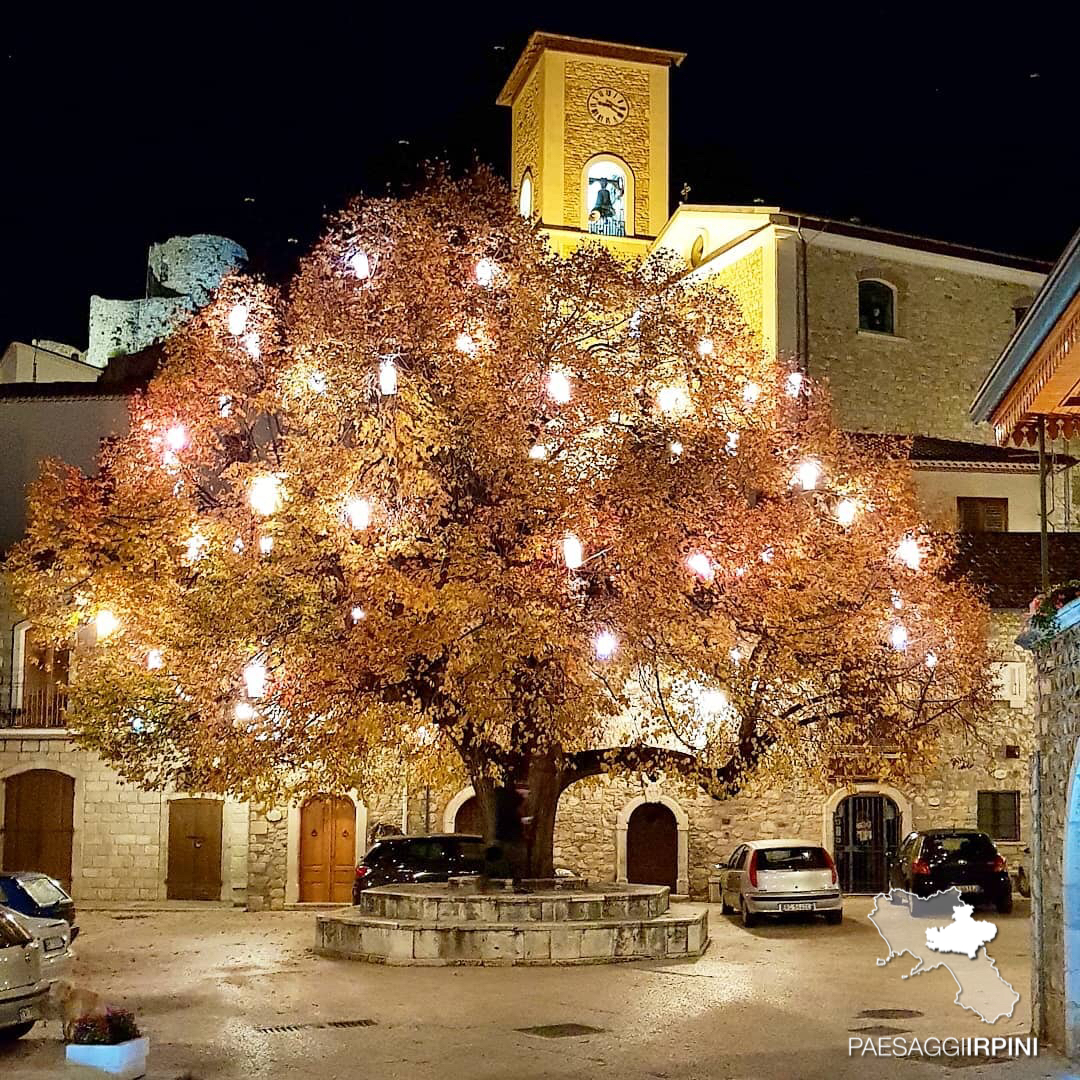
(607, 106)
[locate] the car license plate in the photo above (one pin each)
(27, 1013)
(797, 907)
(53, 943)
(969, 888)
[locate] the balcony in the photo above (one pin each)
(612, 226)
(45, 708)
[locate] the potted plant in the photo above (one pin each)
(110, 1043)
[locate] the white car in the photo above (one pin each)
(777, 877)
(23, 989)
(54, 937)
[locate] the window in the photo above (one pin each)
(982, 515)
(697, 250)
(1012, 750)
(792, 858)
(605, 198)
(525, 196)
(999, 814)
(877, 307)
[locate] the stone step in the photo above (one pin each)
(678, 934)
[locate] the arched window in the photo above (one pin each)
(525, 196)
(607, 192)
(697, 249)
(877, 307)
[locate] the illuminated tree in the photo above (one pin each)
(456, 505)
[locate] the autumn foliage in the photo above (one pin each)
(339, 540)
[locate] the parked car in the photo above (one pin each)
(937, 859)
(54, 937)
(400, 860)
(778, 877)
(23, 991)
(38, 895)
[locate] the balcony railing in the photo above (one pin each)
(612, 226)
(38, 709)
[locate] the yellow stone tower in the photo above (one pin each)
(589, 149)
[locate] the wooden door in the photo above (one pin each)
(327, 850)
(470, 817)
(39, 811)
(652, 846)
(194, 850)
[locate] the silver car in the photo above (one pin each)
(775, 877)
(54, 937)
(23, 991)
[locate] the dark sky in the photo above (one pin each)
(118, 130)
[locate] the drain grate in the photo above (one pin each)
(561, 1031)
(879, 1029)
(889, 1014)
(282, 1029)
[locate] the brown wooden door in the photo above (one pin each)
(652, 846)
(327, 850)
(194, 850)
(470, 817)
(39, 811)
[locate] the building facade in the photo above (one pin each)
(899, 328)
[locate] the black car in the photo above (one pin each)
(38, 895)
(401, 860)
(937, 859)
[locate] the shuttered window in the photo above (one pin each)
(999, 814)
(983, 515)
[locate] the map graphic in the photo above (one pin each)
(953, 940)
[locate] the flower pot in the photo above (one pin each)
(126, 1060)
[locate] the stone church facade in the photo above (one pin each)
(900, 328)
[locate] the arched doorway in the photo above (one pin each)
(866, 834)
(327, 850)
(652, 846)
(470, 817)
(39, 815)
(194, 868)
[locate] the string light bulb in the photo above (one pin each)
(701, 565)
(538, 452)
(705, 347)
(243, 711)
(846, 512)
(898, 637)
(931, 660)
(751, 392)
(251, 343)
(572, 551)
(465, 344)
(908, 552)
(358, 513)
(676, 448)
(105, 623)
(807, 474)
(196, 546)
(154, 660)
(176, 438)
(388, 376)
(558, 387)
(358, 614)
(360, 265)
(264, 495)
(605, 644)
(712, 702)
(672, 399)
(238, 318)
(486, 269)
(255, 679)
(317, 382)
(266, 545)
(793, 384)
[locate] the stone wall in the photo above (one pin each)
(526, 145)
(950, 328)
(267, 857)
(744, 279)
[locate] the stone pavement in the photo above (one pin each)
(775, 1002)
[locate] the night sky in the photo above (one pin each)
(958, 123)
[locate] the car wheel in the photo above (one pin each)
(17, 1031)
(834, 918)
(749, 919)
(1005, 904)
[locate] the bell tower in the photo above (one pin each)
(589, 146)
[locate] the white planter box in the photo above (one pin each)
(126, 1060)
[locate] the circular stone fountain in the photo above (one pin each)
(550, 921)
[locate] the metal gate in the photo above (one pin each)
(866, 834)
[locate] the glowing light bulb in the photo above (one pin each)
(255, 679)
(700, 564)
(358, 512)
(907, 551)
(931, 660)
(897, 600)
(264, 495)
(736, 655)
(238, 318)
(672, 399)
(238, 545)
(266, 545)
(538, 452)
(794, 383)
(360, 265)
(732, 442)
(176, 438)
(558, 387)
(711, 702)
(807, 474)
(358, 614)
(317, 382)
(465, 344)
(196, 546)
(572, 551)
(846, 512)
(105, 623)
(705, 347)
(751, 392)
(154, 660)
(676, 448)
(243, 711)
(898, 637)
(604, 645)
(767, 555)
(486, 269)
(224, 406)
(388, 378)
(251, 343)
